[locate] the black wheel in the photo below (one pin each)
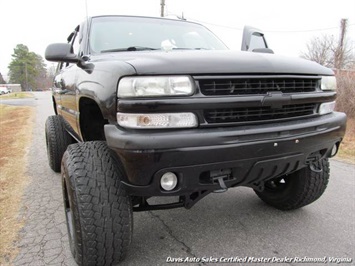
(98, 210)
(57, 140)
(298, 189)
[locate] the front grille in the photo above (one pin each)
(242, 86)
(254, 114)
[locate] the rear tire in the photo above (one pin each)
(57, 140)
(298, 189)
(98, 209)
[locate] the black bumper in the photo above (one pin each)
(250, 154)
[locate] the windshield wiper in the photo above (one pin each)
(197, 48)
(131, 48)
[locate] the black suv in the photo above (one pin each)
(152, 107)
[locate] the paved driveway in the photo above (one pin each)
(235, 223)
(20, 101)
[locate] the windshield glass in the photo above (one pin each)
(110, 34)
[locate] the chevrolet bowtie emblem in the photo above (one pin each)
(276, 99)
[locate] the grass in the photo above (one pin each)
(346, 103)
(16, 95)
(16, 125)
(347, 147)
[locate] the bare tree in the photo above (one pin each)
(320, 50)
(343, 52)
(2, 80)
(329, 52)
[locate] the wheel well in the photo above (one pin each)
(91, 120)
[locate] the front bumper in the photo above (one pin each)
(250, 154)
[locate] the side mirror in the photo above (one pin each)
(61, 52)
(254, 40)
(263, 50)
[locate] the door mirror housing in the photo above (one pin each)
(263, 50)
(254, 40)
(61, 52)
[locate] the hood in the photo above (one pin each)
(214, 62)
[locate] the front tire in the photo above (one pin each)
(98, 209)
(57, 141)
(297, 189)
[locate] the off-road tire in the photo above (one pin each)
(98, 209)
(57, 140)
(297, 189)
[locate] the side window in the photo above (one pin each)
(257, 41)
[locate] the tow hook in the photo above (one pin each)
(314, 168)
(221, 184)
(218, 176)
(312, 161)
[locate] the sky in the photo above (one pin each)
(288, 25)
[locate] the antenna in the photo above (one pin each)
(86, 8)
(182, 16)
(162, 3)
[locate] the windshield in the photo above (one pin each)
(110, 34)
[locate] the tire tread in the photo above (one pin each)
(57, 139)
(104, 211)
(306, 187)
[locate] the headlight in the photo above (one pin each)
(161, 120)
(155, 86)
(329, 83)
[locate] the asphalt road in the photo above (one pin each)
(231, 224)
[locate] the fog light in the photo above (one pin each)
(326, 108)
(334, 150)
(168, 181)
